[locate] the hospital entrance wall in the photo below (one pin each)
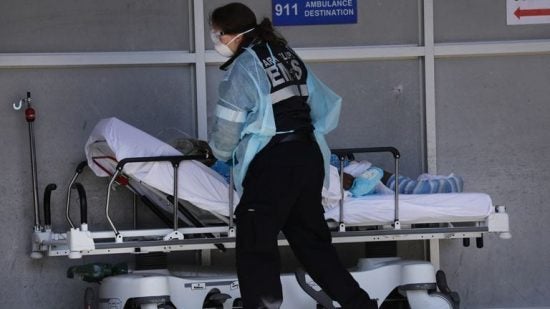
(491, 125)
(69, 101)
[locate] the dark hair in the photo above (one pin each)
(236, 18)
(267, 33)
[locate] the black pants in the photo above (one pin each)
(282, 191)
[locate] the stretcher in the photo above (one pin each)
(198, 204)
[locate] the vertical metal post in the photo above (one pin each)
(176, 165)
(231, 194)
(134, 207)
(113, 179)
(175, 234)
(342, 226)
(231, 231)
(429, 78)
(200, 68)
(429, 72)
(67, 211)
(30, 116)
(434, 253)
(397, 224)
(341, 218)
(34, 179)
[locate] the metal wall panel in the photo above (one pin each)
(474, 20)
(492, 127)
(84, 26)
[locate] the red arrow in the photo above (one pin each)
(533, 12)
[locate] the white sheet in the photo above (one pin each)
(198, 183)
(206, 189)
(414, 208)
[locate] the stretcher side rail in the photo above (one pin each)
(342, 153)
(122, 180)
(346, 151)
(175, 161)
(172, 159)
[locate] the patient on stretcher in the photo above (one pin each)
(362, 178)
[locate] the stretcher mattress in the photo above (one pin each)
(414, 208)
(206, 189)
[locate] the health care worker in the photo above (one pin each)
(271, 117)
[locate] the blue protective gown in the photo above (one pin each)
(244, 122)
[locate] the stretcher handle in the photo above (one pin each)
(47, 202)
(83, 202)
(346, 151)
(172, 159)
(78, 171)
(81, 166)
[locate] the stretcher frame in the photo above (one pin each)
(80, 241)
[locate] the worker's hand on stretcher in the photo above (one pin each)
(191, 146)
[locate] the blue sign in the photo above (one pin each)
(314, 12)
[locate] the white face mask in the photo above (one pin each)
(223, 49)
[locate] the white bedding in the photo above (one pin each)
(206, 189)
(414, 208)
(198, 183)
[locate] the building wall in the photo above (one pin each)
(492, 129)
(69, 101)
(491, 125)
(496, 134)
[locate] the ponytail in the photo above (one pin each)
(266, 33)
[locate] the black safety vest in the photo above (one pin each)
(288, 75)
